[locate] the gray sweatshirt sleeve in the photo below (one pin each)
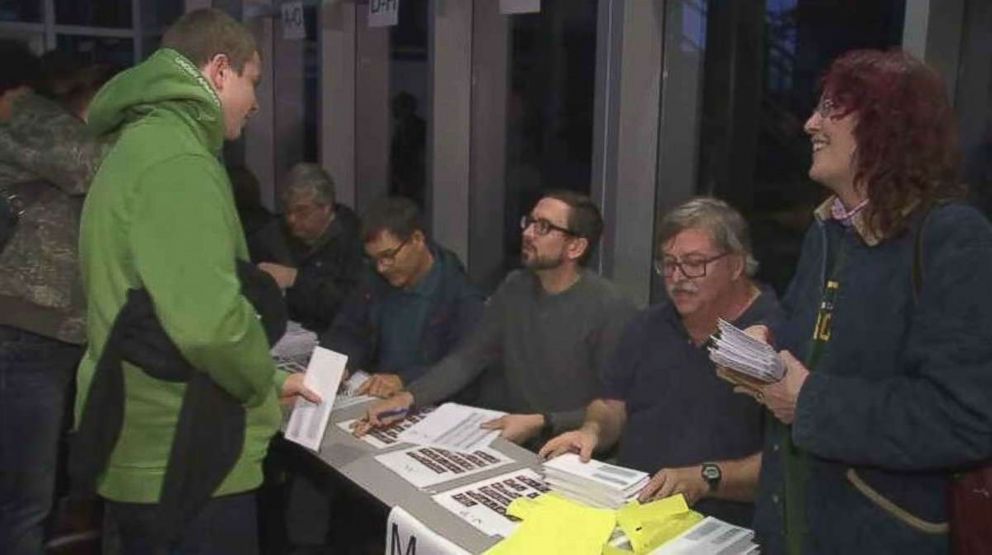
(617, 312)
(455, 371)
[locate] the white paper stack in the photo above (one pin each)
(710, 536)
(292, 351)
(738, 351)
(296, 343)
(594, 483)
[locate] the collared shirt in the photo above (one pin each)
(849, 218)
(679, 413)
(855, 217)
(842, 214)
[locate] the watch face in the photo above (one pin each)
(711, 472)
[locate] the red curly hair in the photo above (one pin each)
(907, 141)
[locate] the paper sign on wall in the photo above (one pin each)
(405, 535)
(507, 7)
(293, 21)
(384, 13)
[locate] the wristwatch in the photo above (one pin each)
(712, 474)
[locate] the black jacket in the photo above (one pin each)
(328, 271)
(211, 428)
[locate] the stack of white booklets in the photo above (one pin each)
(711, 536)
(594, 483)
(738, 351)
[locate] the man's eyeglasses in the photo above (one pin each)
(542, 227)
(690, 267)
(388, 257)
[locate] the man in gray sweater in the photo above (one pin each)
(546, 335)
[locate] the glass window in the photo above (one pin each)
(94, 13)
(409, 102)
(26, 11)
(973, 101)
(760, 75)
(115, 51)
(551, 78)
(311, 85)
(157, 16)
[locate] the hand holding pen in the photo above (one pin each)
(384, 413)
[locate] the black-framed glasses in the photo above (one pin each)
(690, 267)
(388, 257)
(543, 227)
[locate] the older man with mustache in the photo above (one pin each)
(661, 393)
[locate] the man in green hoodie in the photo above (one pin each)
(161, 217)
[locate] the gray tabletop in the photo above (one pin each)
(353, 458)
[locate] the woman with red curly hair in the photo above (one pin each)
(887, 339)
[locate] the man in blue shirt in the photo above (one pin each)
(661, 392)
(412, 310)
(412, 306)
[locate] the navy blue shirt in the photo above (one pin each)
(385, 329)
(402, 314)
(679, 413)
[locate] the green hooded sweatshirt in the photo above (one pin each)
(160, 215)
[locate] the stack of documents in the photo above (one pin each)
(594, 483)
(738, 351)
(296, 343)
(710, 537)
(292, 351)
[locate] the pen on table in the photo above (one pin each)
(392, 413)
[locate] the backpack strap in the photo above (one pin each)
(917, 271)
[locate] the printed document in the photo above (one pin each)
(710, 537)
(381, 438)
(428, 466)
(309, 420)
(453, 426)
(484, 504)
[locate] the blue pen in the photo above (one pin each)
(392, 413)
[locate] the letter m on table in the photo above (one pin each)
(396, 546)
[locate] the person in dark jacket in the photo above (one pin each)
(887, 338)
(316, 255)
(47, 162)
(412, 310)
(409, 313)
